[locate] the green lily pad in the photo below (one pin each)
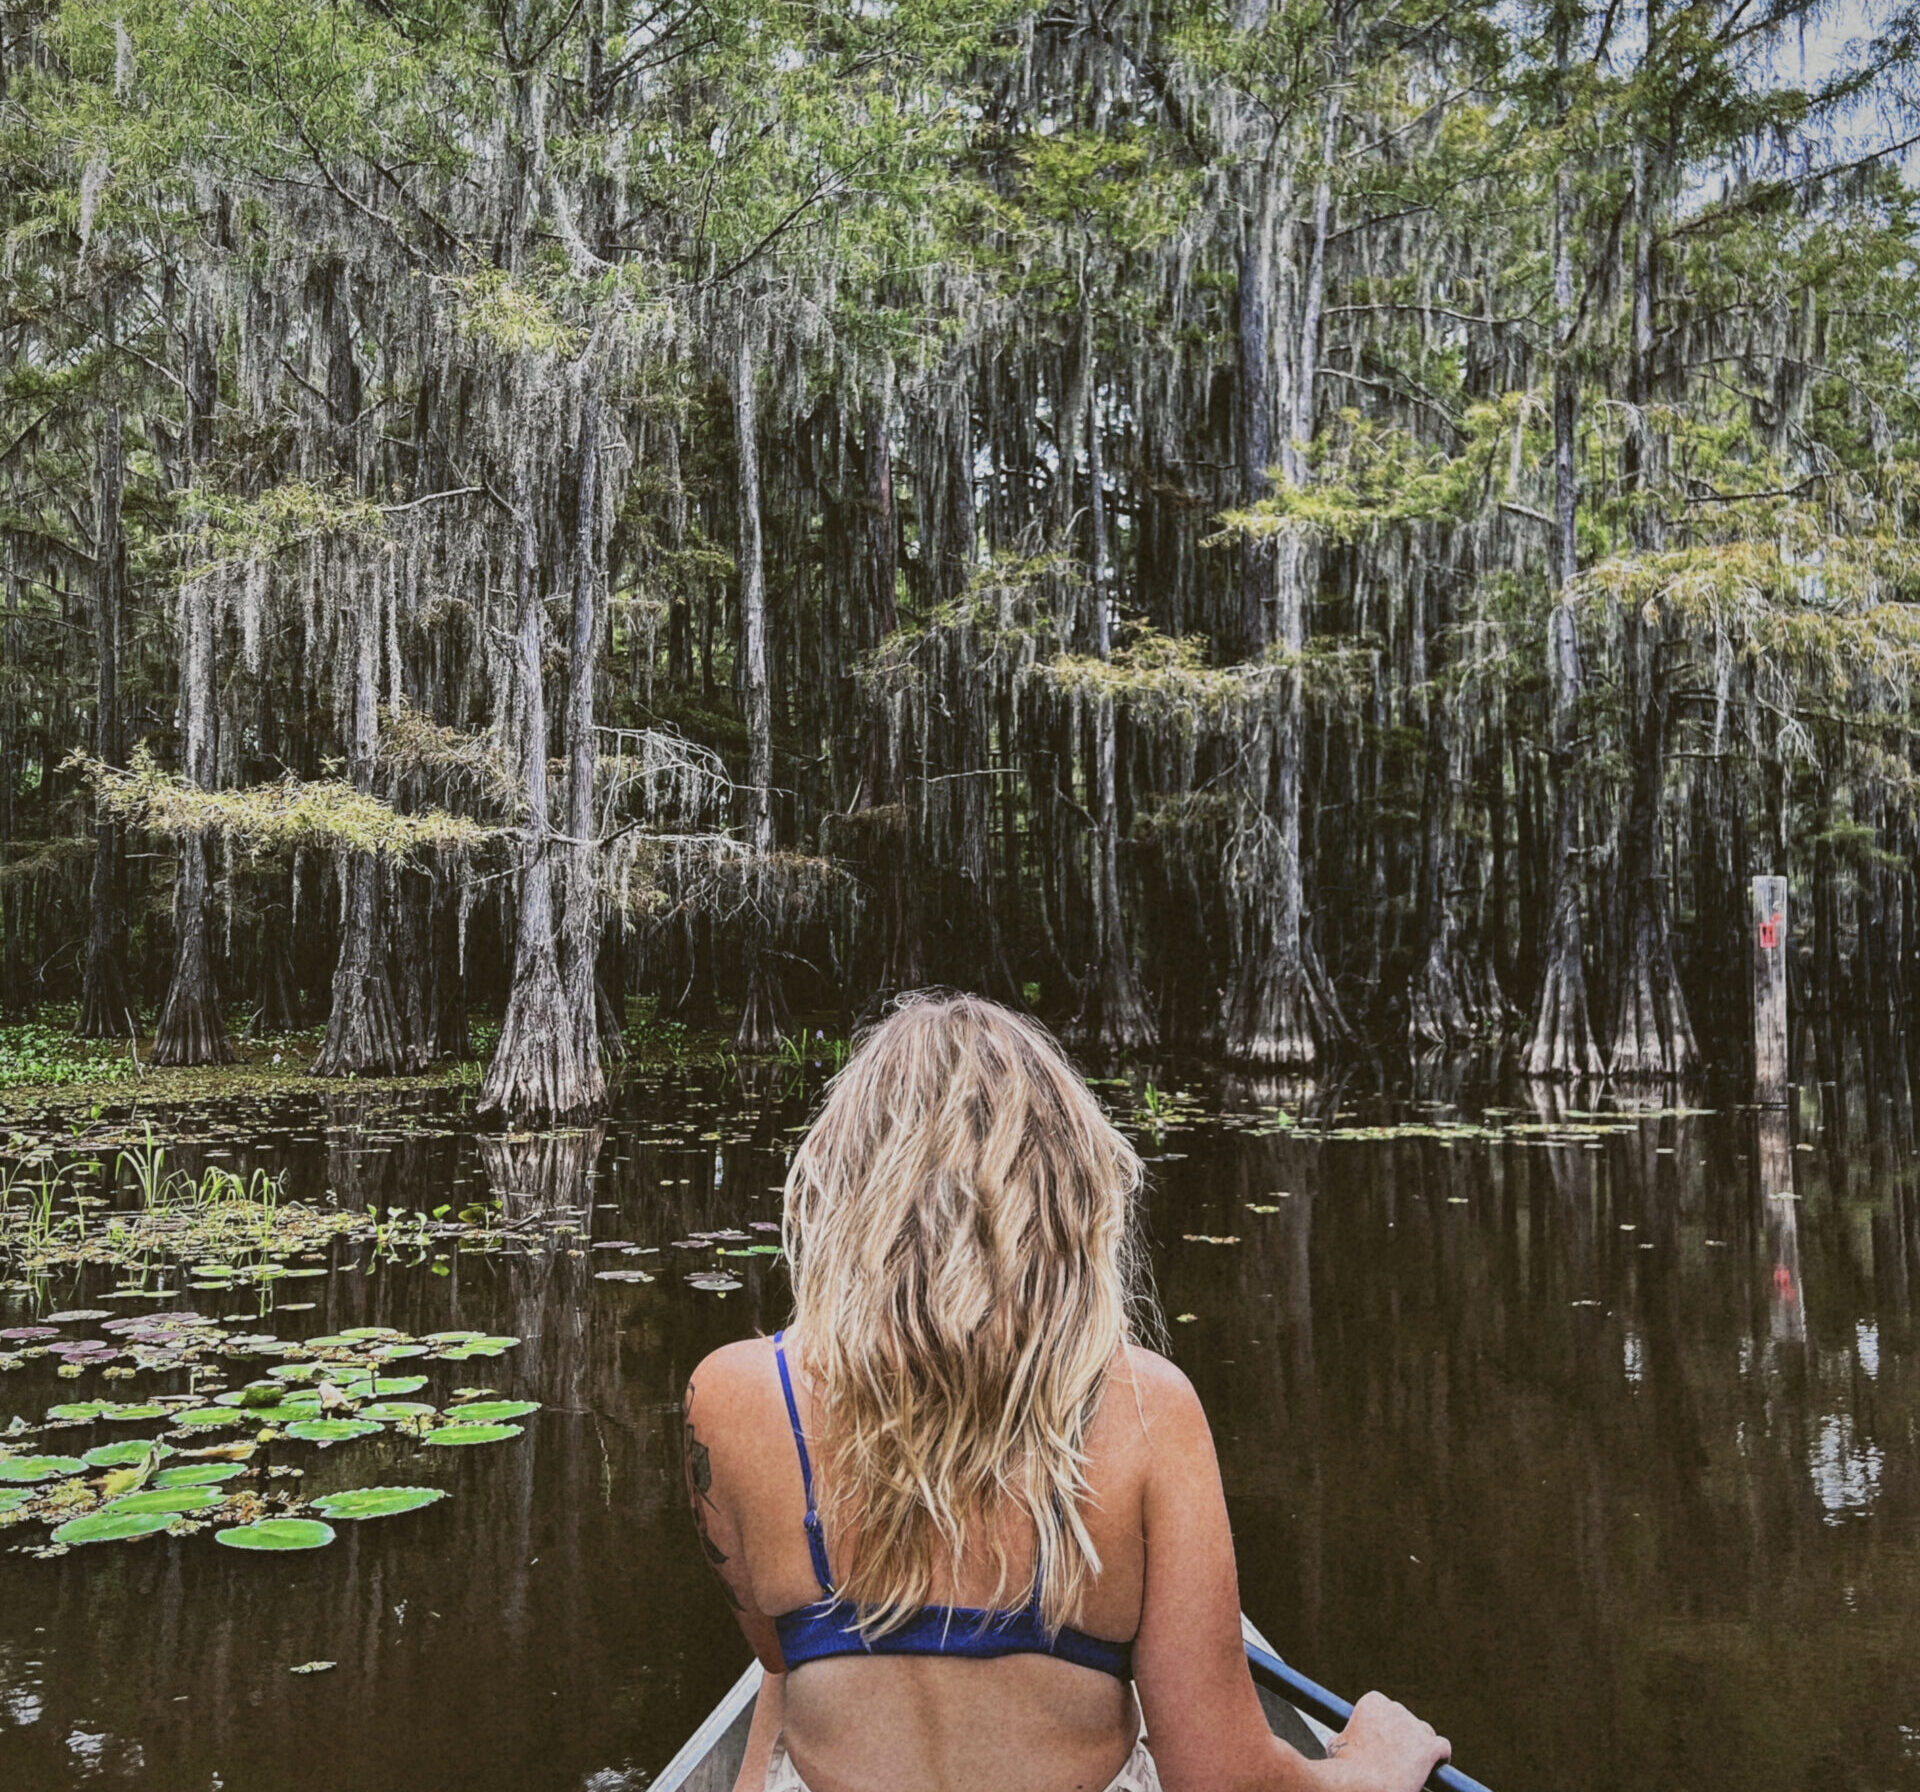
(122, 1455)
(277, 1533)
(387, 1332)
(491, 1412)
(135, 1414)
(392, 1353)
(377, 1502)
(331, 1431)
(453, 1337)
(387, 1411)
(13, 1498)
(108, 1526)
(473, 1434)
(25, 1470)
(332, 1341)
(167, 1499)
(295, 1371)
(198, 1418)
(77, 1411)
(399, 1384)
(199, 1474)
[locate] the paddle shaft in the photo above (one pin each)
(1317, 1702)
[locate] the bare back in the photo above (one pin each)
(1026, 1723)
(1023, 1723)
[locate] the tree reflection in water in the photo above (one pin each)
(1530, 1429)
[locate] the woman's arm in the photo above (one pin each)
(769, 1715)
(1204, 1721)
(703, 1459)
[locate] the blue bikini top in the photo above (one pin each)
(831, 1627)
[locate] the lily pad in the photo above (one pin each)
(107, 1526)
(198, 1418)
(13, 1498)
(473, 1434)
(377, 1502)
(167, 1499)
(491, 1412)
(122, 1455)
(294, 1371)
(26, 1470)
(453, 1337)
(459, 1353)
(78, 1411)
(389, 1411)
(199, 1474)
(389, 1353)
(331, 1431)
(134, 1414)
(277, 1533)
(399, 1384)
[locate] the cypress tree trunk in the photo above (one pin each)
(1652, 1035)
(277, 1004)
(1561, 1042)
(190, 1029)
(759, 1028)
(536, 1073)
(106, 996)
(364, 1033)
(1116, 1018)
(1444, 1005)
(580, 930)
(1280, 1008)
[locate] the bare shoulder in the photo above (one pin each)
(728, 1390)
(734, 1369)
(1157, 1403)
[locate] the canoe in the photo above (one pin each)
(713, 1753)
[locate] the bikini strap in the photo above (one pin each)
(816, 1535)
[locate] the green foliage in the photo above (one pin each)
(278, 817)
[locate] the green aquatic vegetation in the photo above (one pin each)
(277, 1534)
(399, 1412)
(13, 1498)
(108, 1526)
(376, 1502)
(44, 1053)
(127, 1455)
(332, 1431)
(480, 1346)
(199, 1474)
(491, 1412)
(167, 1499)
(26, 1470)
(207, 1418)
(472, 1434)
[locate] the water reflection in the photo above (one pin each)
(1581, 1439)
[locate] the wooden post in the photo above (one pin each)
(1770, 991)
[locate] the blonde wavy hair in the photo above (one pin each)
(960, 1228)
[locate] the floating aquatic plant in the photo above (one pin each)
(26, 1470)
(472, 1434)
(491, 1412)
(376, 1502)
(277, 1533)
(107, 1526)
(332, 1431)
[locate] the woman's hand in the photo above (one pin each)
(1384, 1748)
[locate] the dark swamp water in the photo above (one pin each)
(1569, 1435)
